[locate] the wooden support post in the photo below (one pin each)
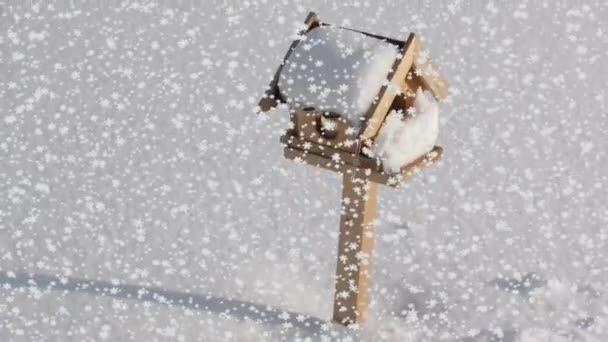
(355, 243)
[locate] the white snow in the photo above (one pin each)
(403, 139)
(540, 335)
(337, 70)
(141, 213)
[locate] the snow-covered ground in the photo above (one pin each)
(143, 200)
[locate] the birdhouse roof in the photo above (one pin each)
(337, 70)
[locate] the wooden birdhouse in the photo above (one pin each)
(365, 106)
(323, 135)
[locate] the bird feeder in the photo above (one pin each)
(324, 133)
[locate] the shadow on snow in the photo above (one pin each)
(225, 307)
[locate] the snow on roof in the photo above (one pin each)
(337, 70)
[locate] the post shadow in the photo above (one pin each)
(225, 307)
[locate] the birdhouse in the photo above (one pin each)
(365, 106)
(358, 102)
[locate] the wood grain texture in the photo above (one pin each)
(336, 156)
(355, 245)
(379, 109)
(359, 170)
(427, 73)
(306, 127)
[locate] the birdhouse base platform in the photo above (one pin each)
(352, 164)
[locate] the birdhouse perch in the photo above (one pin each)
(358, 106)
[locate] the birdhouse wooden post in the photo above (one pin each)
(324, 138)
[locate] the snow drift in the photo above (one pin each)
(404, 137)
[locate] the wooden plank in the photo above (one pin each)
(355, 244)
(329, 164)
(392, 180)
(272, 96)
(331, 153)
(429, 75)
(378, 111)
(306, 122)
